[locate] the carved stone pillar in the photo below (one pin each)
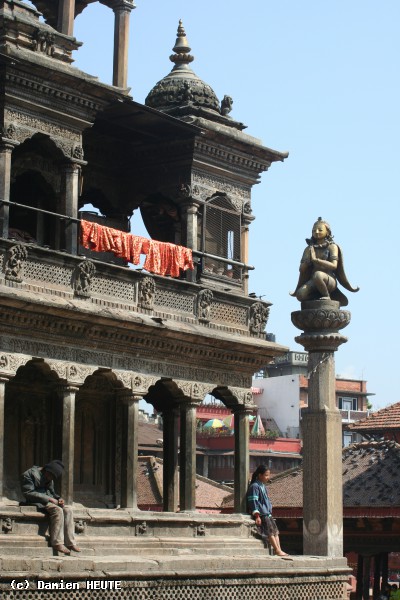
(130, 434)
(190, 215)
(245, 249)
(187, 455)
(5, 179)
(3, 381)
(66, 16)
(70, 205)
(122, 10)
(68, 436)
(241, 416)
(170, 477)
(322, 429)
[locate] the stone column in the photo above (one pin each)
(70, 205)
(130, 449)
(122, 9)
(68, 435)
(242, 435)
(190, 212)
(187, 458)
(3, 381)
(170, 471)
(322, 429)
(66, 16)
(247, 219)
(5, 179)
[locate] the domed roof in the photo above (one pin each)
(182, 88)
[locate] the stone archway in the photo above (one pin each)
(32, 422)
(97, 440)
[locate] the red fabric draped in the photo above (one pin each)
(161, 258)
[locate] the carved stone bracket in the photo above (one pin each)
(147, 288)
(194, 390)
(13, 267)
(204, 300)
(258, 318)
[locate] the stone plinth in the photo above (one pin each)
(321, 321)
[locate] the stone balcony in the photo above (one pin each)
(49, 273)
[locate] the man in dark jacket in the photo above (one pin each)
(38, 489)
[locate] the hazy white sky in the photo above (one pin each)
(317, 79)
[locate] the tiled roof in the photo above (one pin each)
(386, 418)
(371, 477)
(209, 494)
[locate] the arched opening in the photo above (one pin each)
(98, 40)
(32, 422)
(162, 219)
(98, 439)
(35, 188)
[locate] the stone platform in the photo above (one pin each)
(188, 556)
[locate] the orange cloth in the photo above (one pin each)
(162, 258)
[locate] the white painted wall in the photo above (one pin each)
(280, 400)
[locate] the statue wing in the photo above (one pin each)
(341, 275)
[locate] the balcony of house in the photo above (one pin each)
(350, 416)
(43, 254)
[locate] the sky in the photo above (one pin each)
(321, 81)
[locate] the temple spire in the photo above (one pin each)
(181, 58)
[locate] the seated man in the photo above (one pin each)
(38, 489)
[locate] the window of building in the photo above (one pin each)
(346, 403)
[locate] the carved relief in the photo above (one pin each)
(10, 131)
(258, 319)
(7, 525)
(77, 152)
(42, 125)
(19, 351)
(209, 186)
(80, 526)
(43, 41)
(16, 257)
(195, 391)
(147, 288)
(141, 528)
(204, 299)
(82, 278)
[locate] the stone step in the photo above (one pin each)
(35, 546)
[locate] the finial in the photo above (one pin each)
(181, 49)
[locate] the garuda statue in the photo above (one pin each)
(321, 268)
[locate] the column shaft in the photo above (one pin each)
(241, 460)
(5, 180)
(187, 454)
(66, 16)
(322, 462)
(130, 453)
(70, 208)
(3, 382)
(170, 472)
(68, 435)
(121, 42)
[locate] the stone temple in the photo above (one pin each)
(86, 331)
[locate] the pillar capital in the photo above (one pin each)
(122, 5)
(321, 321)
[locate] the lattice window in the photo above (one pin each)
(43, 272)
(220, 231)
(174, 301)
(117, 290)
(228, 313)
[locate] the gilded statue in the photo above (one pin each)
(321, 268)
